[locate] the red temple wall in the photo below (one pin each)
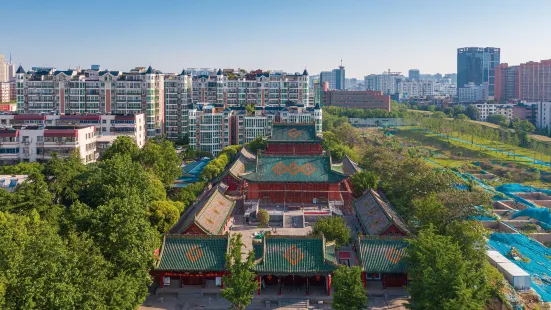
(193, 230)
(393, 231)
(294, 192)
(294, 148)
(233, 183)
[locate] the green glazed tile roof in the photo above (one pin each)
(289, 132)
(294, 255)
(242, 164)
(294, 168)
(193, 253)
(376, 215)
(381, 254)
(210, 214)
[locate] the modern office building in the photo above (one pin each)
(4, 70)
(335, 78)
(414, 74)
(91, 91)
(365, 99)
(543, 115)
(476, 65)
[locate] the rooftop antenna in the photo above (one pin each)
(341, 61)
(10, 57)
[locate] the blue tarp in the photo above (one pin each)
(541, 214)
(536, 259)
(191, 172)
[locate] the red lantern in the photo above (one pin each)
(317, 278)
(269, 277)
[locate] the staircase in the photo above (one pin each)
(294, 304)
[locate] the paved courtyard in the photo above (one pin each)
(170, 302)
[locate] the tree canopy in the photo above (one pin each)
(334, 229)
(349, 291)
(241, 281)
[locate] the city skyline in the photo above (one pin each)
(370, 37)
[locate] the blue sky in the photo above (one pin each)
(370, 35)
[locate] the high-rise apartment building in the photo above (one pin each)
(387, 82)
(507, 82)
(476, 65)
(473, 93)
(529, 81)
(92, 91)
(4, 70)
(416, 88)
(178, 101)
(256, 87)
(414, 74)
(536, 81)
(213, 127)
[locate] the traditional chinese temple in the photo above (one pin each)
(288, 262)
(191, 260)
(296, 179)
(245, 162)
(294, 139)
(210, 215)
(381, 258)
(378, 217)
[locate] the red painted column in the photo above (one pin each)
(328, 285)
(222, 283)
(307, 286)
(364, 279)
(182, 281)
(259, 284)
(162, 284)
(279, 284)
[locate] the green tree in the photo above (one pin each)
(250, 109)
(120, 177)
(349, 291)
(334, 229)
(263, 217)
(62, 176)
(123, 145)
(22, 168)
(259, 143)
(241, 282)
(163, 215)
(161, 159)
(472, 112)
(498, 119)
(363, 180)
(441, 276)
(348, 135)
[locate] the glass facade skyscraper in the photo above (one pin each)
(476, 65)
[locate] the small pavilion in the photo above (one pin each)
(382, 259)
(191, 260)
(294, 262)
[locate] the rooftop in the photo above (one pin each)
(210, 214)
(294, 168)
(294, 255)
(381, 254)
(193, 253)
(289, 132)
(376, 215)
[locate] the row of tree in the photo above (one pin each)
(446, 261)
(361, 113)
(519, 135)
(83, 237)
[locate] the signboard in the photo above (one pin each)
(166, 281)
(187, 274)
(218, 281)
